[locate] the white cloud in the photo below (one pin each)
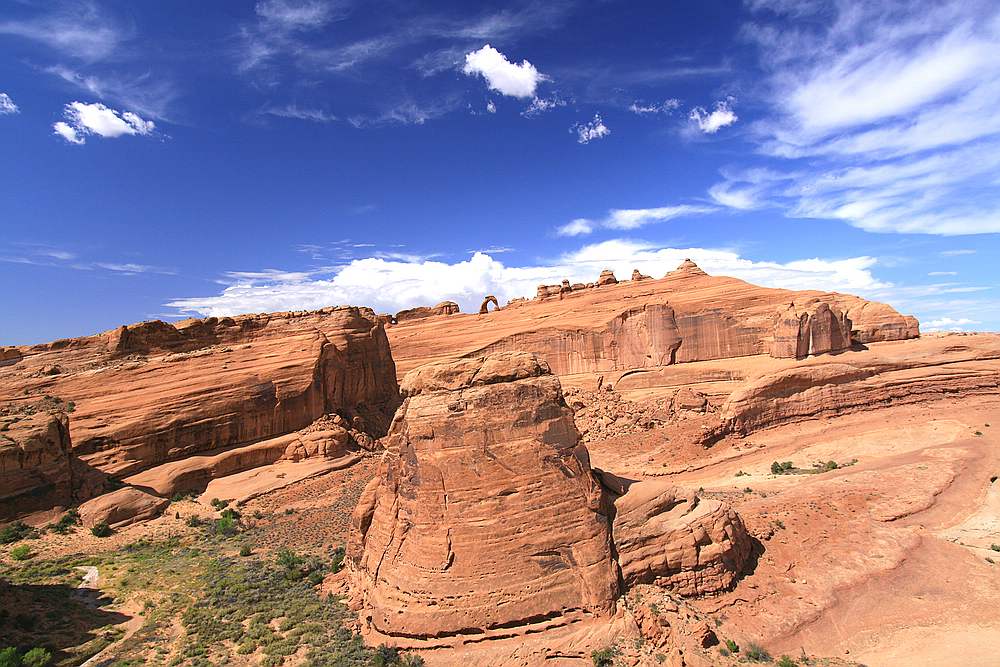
(491, 107)
(633, 218)
(587, 132)
(296, 14)
(721, 116)
(7, 105)
(577, 227)
(960, 251)
(503, 76)
(948, 324)
(390, 286)
(730, 196)
(80, 31)
(299, 113)
(96, 119)
(540, 105)
(667, 107)
(942, 273)
(894, 104)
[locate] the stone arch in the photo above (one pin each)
(485, 307)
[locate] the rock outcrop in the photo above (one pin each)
(36, 471)
(673, 538)
(636, 338)
(815, 329)
(147, 394)
(443, 308)
(637, 275)
(874, 322)
(485, 501)
(485, 306)
(607, 277)
(122, 508)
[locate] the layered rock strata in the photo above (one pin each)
(151, 393)
(36, 471)
(486, 502)
(487, 521)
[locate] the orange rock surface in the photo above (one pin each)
(612, 327)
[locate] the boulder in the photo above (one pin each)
(636, 275)
(607, 277)
(122, 508)
(485, 501)
(675, 539)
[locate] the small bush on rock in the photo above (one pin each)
(22, 552)
(101, 529)
(604, 657)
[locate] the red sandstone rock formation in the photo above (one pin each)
(672, 538)
(122, 508)
(487, 500)
(443, 308)
(36, 472)
(485, 306)
(607, 277)
(817, 329)
(150, 393)
(714, 317)
(636, 275)
(637, 338)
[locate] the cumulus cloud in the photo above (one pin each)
(503, 76)
(710, 122)
(96, 119)
(587, 132)
(7, 105)
(390, 285)
(577, 227)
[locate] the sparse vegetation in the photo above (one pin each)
(245, 550)
(220, 504)
(978, 433)
(788, 468)
(780, 468)
(732, 646)
(756, 653)
(786, 661)
(22, 552)
(15, 532)
(101, 529)
(337, 562)
(779, 524)
(604, 657)
(995, 547)
(66, 522)
(741, 473)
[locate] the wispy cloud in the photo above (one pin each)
(632, 218)
(299, 113)
(38, 254)
(710, 122)
(894, 107)
(80, 30)
(142, 93)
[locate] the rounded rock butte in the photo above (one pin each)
(487, 500)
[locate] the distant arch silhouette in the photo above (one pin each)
(485, 307)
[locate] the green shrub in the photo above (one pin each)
(36, 657)
(15, 532)
(781, 468)
(785, 661)
(385, 656)
(732, 646)
(101, 529)
(227, 524)
(220, 504)
(604, 657)
(337, 562)
(756, 653)
(995, 547)
(67, 521)
(22, 552)
(245, 550)
(9, 657)
(193, 521)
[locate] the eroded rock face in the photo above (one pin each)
(484, 307)
(607, 277)
(151, 393)
(485, 514)
(637, 338)
(443, 308)
(815, 329)
(673, 538)
(36, 471)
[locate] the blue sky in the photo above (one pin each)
(164, 160)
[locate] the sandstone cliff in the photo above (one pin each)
(36, 472)
(150, 393)
(574, 326)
